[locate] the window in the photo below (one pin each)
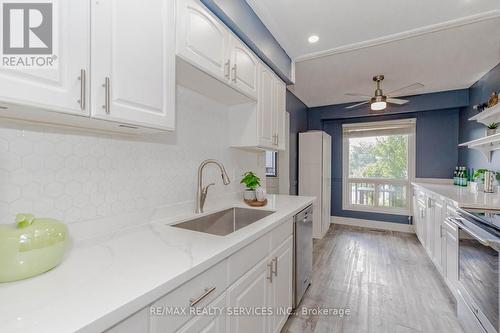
(379, 159)
(271, 163)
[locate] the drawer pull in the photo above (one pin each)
(275, 261)
(106, 95)
(270, 277)
(83, 86)
(194, 301)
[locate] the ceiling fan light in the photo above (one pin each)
(378, 106)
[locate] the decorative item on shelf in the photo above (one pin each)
(480, 178)
(31, 247)
(260, 193)
(493, 99)
(251, 181)
(491, 129)
(480, 107)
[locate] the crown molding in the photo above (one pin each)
(451, 24)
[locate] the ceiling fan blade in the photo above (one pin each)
(358, 95)
(356, 105)
(411, 87)
(397, 101)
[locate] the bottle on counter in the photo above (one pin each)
(455, 176)
(461, 176)
(466, 177)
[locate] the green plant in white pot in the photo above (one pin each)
(492, 129)
(251, 181)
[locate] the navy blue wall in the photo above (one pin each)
(243, 21)
(298, 123)
(437, 134)
(470, 130)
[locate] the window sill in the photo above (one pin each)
(378, 210)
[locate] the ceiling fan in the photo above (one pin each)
(379, 101)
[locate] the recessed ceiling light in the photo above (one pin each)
(313, 39)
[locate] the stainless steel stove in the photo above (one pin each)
(478, 280)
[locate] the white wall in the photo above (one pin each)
(78, 176)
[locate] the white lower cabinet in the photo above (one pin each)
(268, 286)
(281, 286)
(252, 291)
(438, 237)
(256, 279)
(437, 227)
(451, 252)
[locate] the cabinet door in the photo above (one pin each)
(244, 68)
(420, 222)
(327, 184)
(429, 230)
(281, 287)
(202, 39)
(266, 108)
(208, 324)
(57, 88)
(133, 62)
(251, 291)
(437, 225)
(451, 255)
(279, 113)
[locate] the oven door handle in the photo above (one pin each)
(460, 224)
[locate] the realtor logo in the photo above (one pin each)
(28, 34)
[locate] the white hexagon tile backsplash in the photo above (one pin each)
(76, 175)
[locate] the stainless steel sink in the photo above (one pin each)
(224, 222)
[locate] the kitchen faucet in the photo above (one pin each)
(201, 193)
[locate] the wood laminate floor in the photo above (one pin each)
(384, 278)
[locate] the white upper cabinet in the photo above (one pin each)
(58, 88)
(244, 68)
(202, 39)
(133, 62)
(266, 107)
(279, 113)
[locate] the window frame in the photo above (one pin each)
(347, 181)
(275, 163)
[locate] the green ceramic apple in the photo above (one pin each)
(30, 247)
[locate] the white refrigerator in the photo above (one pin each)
(315, 149)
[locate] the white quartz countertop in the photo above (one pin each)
(104, 280)
(463, 196)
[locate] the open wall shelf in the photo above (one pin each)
(488, 116)
(485, 145)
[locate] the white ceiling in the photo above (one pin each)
(445, 44)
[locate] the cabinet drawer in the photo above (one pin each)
(246, 258)
(215, 279)
(281, 233)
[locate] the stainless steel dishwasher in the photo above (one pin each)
(302, 253)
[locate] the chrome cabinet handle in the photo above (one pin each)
(234, 70)
(83, 88)
(277, 139)
(194, 301)
(270, 277)
(106, 86)
(227, 70)
(275, 261)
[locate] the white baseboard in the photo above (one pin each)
(371, 224)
